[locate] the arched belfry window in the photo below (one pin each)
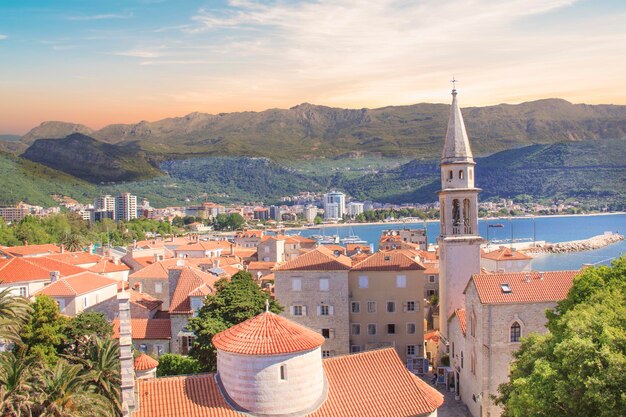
(456, 217)
(467, 220)
(450, 175)
(461, 174)
(516, 332)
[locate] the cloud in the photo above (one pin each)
(137, 53)
(102, 16)
(2, 37)
(174, 62)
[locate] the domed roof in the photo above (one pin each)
(144, 362)
(267, 334)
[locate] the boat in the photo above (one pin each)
(328, 240)
(352, 238)
(496, 225)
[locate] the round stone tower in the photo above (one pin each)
(270, 366)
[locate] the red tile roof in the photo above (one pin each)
(525, 287)
(249, 233)
(354, 246)
(159, 270)
(299, 239)
(369, 384)
(267, 334)
(433, 335)
(210, 245)
(78, 284)
(396, 260)
(257, 265)
(506, 254)
(76, 258)
(144, 362)
(146, 329)
(33, 269)
(144, 300)
(191, 283)
(318, 259)
(30, 250)
(106, 266)
(431, 268)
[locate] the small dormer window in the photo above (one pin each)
(506, 288)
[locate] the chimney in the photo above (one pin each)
(116, 261)
(126, 354)
(25, 242)
(541, 275)
(232, 249)
(134, 243)
(62, 247)
(54, 276)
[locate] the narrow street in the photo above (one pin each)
(450, 407)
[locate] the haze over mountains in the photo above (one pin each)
(310, 147)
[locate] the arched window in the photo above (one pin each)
(461, 174)
(467, 222)
(450, 175)
(456, 217)
(473, 363)
(461, 359)
(473, 324)
(516, 332)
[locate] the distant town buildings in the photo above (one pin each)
(354, 208)
(334, 205)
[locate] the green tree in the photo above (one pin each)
(43, 334)
(14, 312)
(73, 242)
(172, 364)
(578, 368)
(16, 385)
(233, 302)
(85, 326)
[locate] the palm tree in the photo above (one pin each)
(72, 242)
(67, 392)
(14, 311)
(101, 363)
(16, 392)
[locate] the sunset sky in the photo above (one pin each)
(110, 61)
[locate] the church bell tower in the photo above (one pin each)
(459, 241)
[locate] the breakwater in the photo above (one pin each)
(595, 242)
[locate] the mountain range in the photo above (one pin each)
(385, 154)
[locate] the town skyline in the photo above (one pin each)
(122, 62)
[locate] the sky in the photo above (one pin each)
(98, 62)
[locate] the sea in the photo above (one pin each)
(551, 229)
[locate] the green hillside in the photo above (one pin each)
(33, 183)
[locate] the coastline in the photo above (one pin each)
(395, 222)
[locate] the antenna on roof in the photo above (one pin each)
(267, 305)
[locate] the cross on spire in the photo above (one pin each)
(453, 81)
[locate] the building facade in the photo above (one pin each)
(125, 207)
(334, 205)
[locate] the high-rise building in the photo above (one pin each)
(334, 205)
(105, 203)
(353, 209)
(310, 213)
(125, 207)
(459, 241)
(275, 213)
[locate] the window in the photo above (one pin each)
(196, 305)
(326, 354)
(143, 348)
(516, 332)
(473, 363)
(296, 311)
(431, 278)
(283, 372)
(85, 302)
(410, 350)
(401, 281)
(391, 329)
(473, 324)
(461, 174)
(363, 282)
(159, 349)
(324, 284)
(371, 329)
(296, 284)
(266, 249)
(356, 329)
(326, 333)
(453, 349)
(410, 306)
(450, 175)
(355, 349)
(461, 359)
(410, 328)
(324, 310)
(355, 307)
(158, 287)
(23, 291)
(430, 293)
(391, 307)
(371, 306)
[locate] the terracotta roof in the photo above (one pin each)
(78, 284)
(354, 246)
(431, 268)
(506, 254)
(460, 314)
(333, 247)
(210, 245)
(76, 258)
(27, 250)
(144, 362)
(191, 283)
(182, 396)
(318, 259)
(146, 329)
(106, 266)
(33, 269)
(249, 233)
(159, 270)
(369, 384)
(299, 239)
(159, 243)
(388, 261)
(433, 335)
(243, 252)
(523, 287)
(255, 265)
(144, 300)
(267, 334)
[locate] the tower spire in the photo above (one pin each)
(456, 147)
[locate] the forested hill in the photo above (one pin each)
(309, 131)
